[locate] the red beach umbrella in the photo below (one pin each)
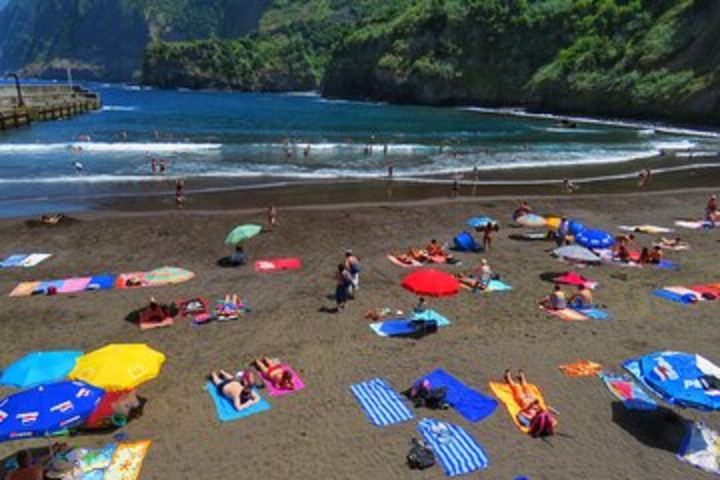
(431, 283)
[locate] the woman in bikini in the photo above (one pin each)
(241, 395)
(276, 373)
(530, 405)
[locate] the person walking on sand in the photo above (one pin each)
(352, 264)
(569, 186)
(342, 283)
(272, 216)
(180, 193)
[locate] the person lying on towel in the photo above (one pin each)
(156, 313)
(556, 300)
(531, 415)
(435, 250)
(405, 258)
(672, 243)
(238, 390)
(583, 298)
(276, 373)
(418, 254)
(470, 281)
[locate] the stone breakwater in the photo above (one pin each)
(43, 102)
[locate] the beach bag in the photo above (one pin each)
(424, 326)
(420, 456)
(434, 398)
(541, 425)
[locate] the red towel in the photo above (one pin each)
(277, 264)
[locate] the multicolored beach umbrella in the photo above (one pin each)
(46, 409)
(531, 220)
(37, 368)
(167, 276)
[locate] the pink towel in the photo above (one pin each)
(278, 392)
(73, 285)
(277, 264)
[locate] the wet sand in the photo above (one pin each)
(321, 432)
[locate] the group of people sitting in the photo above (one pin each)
(480, 278)
(240, 388)
(432, 253)
(654, 255)
(557, 300)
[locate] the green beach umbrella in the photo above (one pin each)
(241, 233)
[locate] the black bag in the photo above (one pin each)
(424, 326)
(433, 398)
(420, 456)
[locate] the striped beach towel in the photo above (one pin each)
(382, 405)
(458, 452)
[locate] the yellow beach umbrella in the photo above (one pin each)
(119, 366)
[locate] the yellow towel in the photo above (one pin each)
(503, 392)
(24, 289)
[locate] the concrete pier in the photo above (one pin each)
(43, 102)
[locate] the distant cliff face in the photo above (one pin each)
(105, 39)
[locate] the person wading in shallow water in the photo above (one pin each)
(180, 193)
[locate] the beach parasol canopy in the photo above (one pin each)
(575, 227)
(39, 367)
(531, 220)
(431, 283)
(119, 366)
(46, 409)
(479, 222)
(167, 276)
(684, 379)
(593, 238)
(574, 278)
(576, 253)
(241, 233)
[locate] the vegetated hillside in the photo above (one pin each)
(289, 51)
(652, 58)
(105, 39)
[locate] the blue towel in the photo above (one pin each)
(674, 297)
(101, 282)
(667, 265)
(498, 286)
(50, 283)
(382, 405)
(226, 411)
(13, 260)
(457, 451)
(402, 326)
(471, 404)
(592, 312)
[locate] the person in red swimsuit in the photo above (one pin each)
(275, 373)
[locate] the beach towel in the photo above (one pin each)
(278, 392)
(73, 285)
(127, 461)
(413, 263)
(146, 325)
(493, 286)
(101, 282)
(593, 313)
(678, 294)
(13, 260)
(226, 411)
(581, 368)
(122, 279)
(695, 224)
(47, 284)
(567, 314)
(472, 405)
(575, 279)
(707, 291)
(278, 264)
(403, 326)
(382, 405)
(649, 229)
(503, 392)
(24, 289)
(628, 392)
(456, 450)
(34, 259)
(701, 448)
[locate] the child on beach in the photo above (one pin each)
(272, 216)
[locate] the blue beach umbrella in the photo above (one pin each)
(479, 222)
(684, 379)
(592, 238)
(575, 227)
(39, 367)
(46, 409)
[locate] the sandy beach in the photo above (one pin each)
(321, 432)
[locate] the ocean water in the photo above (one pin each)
(297, 136)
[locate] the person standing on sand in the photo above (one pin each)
(644, 177)
(343, 281)
(272, 216)
(455, 192)
(161, 166)
(389, 168)
(153, 165)
(180, 193)
(476, 178)
(352, 264)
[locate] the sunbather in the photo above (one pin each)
(418, 254)
(672, 243)
(421, 306)
(405, 258)
(276, 373)
(655, 256)
(530, 406)
(470, 281)
(523, 209)
(644, 256)
(583, 298)
(435, 250)
(622, 253)
(51, 219)
(483, 273)
(156, 312)
(234, 390)
(556, 300)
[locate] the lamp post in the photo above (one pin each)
(21, 102)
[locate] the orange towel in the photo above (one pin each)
(581, 368)
(503, 392)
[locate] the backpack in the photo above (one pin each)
(433, 398)
(541, 425)
(420, 456)
(424, 326)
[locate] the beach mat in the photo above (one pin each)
(678, 294)
(395, 260)
(628, 392)
(581, 368)
(593, 313)
(24, 289)
(34, 259)
(472, 405)
(456, 450)
(278, 392)
(74, 285)
(382, 405)
(503, 392)
(13, 261)
(127, 461)
(278, 264)
(403, 326)
(101, 282)
(226, 411)
(567, 314)
(695, 224)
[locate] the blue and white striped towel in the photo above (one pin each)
(458, 452)
(381, 403)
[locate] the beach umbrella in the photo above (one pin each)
(167, 275)
(119, 366)
(46, 409)
(575, 227)
(39, 367)
(701, 448)
(241, 233)
(552, 222)
(576, 253)
(592, 238)
(574, 278)
(431, 283)
(531, 220)
(684, 379)
(479, 222)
